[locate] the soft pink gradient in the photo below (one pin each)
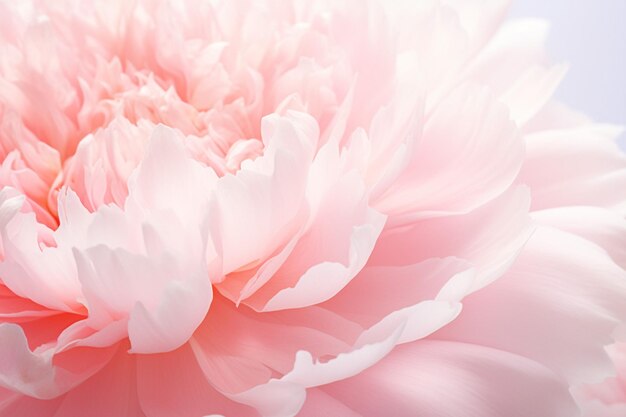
(280, 208)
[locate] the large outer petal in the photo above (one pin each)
(457, 167)
(172, 384)
(15, 404)
(489, 238)
(514, 66)
(576, 166)
(558, 305)
(252, 346)
(15, 308)
(602, 226)
(284, 397)
(426, 296)
(328, 341)
(450, 379)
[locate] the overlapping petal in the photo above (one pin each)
(259, 208)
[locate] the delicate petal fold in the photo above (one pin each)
(457, 167)
(172, 384)
(438, 378)
(576, 166)
(36, 374)
(558, 305)
(490, 238)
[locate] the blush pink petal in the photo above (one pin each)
(247, 339)
(16, 174)
(285, 396)
(481, 25)
(577, 166)
(30, 269)
(430, 184)
(513, 65)
(318, 402)
(428, 298)
(266, 195)
(173, 384)
(604, 227)
(33, 373)
(559, 278)
(14, 404)
(99, 170)
(117, 380)
(156, 298)
(15, 308)
(421, 380)
(554, 116)
(335, 245)
(490, 238)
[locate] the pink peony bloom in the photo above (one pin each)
(313, 208)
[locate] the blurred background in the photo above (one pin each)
(591, 36)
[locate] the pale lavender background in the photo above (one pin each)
(591, 36)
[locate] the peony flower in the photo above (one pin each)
(280, 208)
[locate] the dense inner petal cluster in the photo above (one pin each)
(123, 76)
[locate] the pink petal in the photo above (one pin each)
(480, 19)
(576, 166)
(319, 403)
(115, 389)
(30, 268)
(246, 353)
(490, 238)
(249, 200)
(284, 397)
(172, 384)
(518, 46)
(36, 374)
(426, 296)
(13, 307)
(437, 378)
(329, 255)
(604, 227)
(460, 166)
(13, 404)
(558, 279)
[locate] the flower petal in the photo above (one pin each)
(558, 305)
(577, 166)
(457, 167)
(437, 378)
